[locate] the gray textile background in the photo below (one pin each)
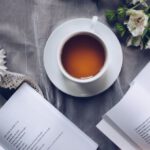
(24, 28)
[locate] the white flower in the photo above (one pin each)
(2, 61)
(138, 20)
(148, 45)
(3, 68)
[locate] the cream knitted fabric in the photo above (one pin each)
(13, 80)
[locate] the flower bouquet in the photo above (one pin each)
(132, 22)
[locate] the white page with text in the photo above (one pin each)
(143, 78)
(132, 116)
(29, 122)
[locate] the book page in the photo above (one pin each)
(29, 122)
(115, 136)
(143, 78)
(132, 116)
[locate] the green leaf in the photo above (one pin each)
(111, 16)
(145, 40)
(147, 10)
(121, 12)
(148, 15)
(120, 28)
(146, 36)
(145, 32)
(136, 41)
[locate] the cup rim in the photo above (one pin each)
(63, 70)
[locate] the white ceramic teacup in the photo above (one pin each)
(75, 86)
(90, 32)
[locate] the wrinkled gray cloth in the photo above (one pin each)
(25, 26)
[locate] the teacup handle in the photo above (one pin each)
(94, 21)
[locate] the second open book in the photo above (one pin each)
(128, 123)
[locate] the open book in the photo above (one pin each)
(29, 122)
(128, 123)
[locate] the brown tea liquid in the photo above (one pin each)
(83, 56)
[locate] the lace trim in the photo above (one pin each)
(13, 80)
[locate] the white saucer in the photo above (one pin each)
(50, 57)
